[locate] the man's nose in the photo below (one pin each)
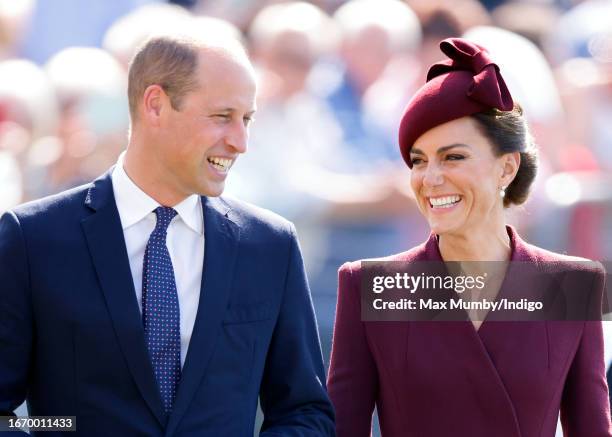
(238, 137)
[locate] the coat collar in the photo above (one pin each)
(520, 250)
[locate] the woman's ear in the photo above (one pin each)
(510, 165)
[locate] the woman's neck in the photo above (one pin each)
(485, 244)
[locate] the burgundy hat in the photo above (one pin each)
(467, 83)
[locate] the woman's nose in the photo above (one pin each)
(433, 175)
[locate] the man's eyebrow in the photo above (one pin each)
(442, 149)
(222, 109)
(231, 110)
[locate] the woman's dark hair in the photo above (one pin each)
(508, 132)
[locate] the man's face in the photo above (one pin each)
(201, 140)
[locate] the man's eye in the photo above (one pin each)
(247, 120)
(416, 161)
(222, 116)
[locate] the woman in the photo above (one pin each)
(471, 157)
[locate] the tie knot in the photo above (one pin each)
(164, 217)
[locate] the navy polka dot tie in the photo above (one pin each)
(160, 310)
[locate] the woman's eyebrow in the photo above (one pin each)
(440, 150)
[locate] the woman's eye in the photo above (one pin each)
(247, 120)
(455, 157)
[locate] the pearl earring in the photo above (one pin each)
(502, 192)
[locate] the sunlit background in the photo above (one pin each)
(333, 79)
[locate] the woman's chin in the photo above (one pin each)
(439, 227)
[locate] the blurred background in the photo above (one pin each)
(334, 77)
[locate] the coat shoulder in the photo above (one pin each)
(417, 253)
(257, 219)
(62, 203)
(542, 254)
(563, 261)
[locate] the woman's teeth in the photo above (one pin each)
(443, 202)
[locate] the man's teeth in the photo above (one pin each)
(444, 202)
(220, 163)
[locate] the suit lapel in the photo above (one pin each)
(221, 236)
(104, 236)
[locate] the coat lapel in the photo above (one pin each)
(221, 236)
(104, 236)
(472, 354)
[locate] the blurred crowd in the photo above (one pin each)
(334, 77)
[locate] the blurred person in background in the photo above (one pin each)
(90, 86)
(15, 19)
(59, 24)
(580, 48)
(29, 123)
(532, 20)
(375, 36)
(439, 20)
(94, 274)
(239, 13)
(126, 34)
(129, 31)
(471, 154)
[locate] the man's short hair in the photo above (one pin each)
(165, 61)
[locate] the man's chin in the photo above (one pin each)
(212, 190)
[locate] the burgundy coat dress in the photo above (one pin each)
(438, 379)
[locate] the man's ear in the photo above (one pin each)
(510, 165)
(154, 99)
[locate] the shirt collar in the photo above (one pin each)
(134, 204)
(190, 211)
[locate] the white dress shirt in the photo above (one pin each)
(185, 241)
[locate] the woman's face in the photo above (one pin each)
(456, 178)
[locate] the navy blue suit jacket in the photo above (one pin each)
(72, 341)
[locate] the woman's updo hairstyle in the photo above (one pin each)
(507, 131)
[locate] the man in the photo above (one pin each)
(143, 304)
